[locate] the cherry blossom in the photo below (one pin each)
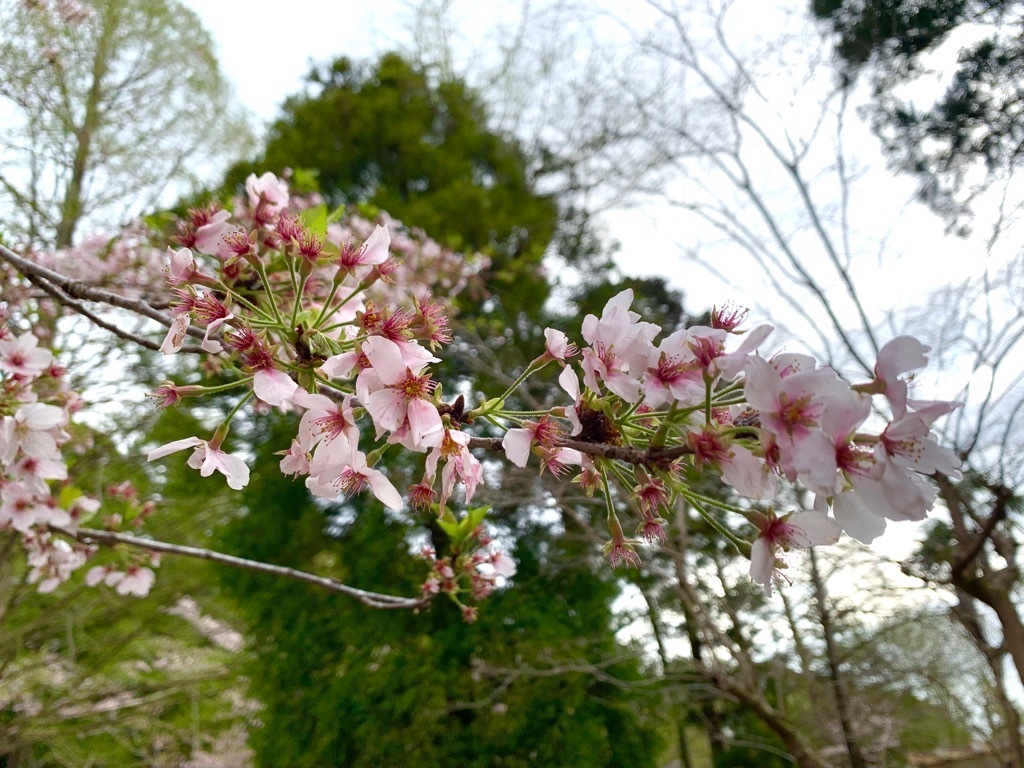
(350, 476)
(136, 581)
(182, 268)
(273, 386)
(22, 356)
(900, 355)
(619, 348)
(460, 464)
(208, 459)
(396, 395)
(792, 531)
(268, 190)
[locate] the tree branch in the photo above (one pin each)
(371, 599)
(78, 307)
(77, 289)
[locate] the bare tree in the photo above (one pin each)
(82, 96)
(769, 168)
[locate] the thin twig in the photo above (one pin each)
(78, 307)
(78, 289)
(372, 599)
(644, 456)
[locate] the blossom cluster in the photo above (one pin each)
(698, 399)
(35, 410)
(286, 302)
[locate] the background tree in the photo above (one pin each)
(391, 135)
(958, 142)
(771, 172)
(82, 95)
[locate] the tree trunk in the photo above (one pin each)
(839, 691)
(73, 206)
(680, 724)
(971, 572)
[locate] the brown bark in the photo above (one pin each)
(795, 745)
(740, 685)
(972, 571)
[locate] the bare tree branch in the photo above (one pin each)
(371, 599)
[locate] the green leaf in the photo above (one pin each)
(452, 529)
(315, 220)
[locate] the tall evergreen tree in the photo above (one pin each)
(390, 135)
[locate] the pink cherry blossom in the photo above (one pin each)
(901, 355)
(908, 441)
(673, 372)
(518, 441)
(52, 561)
(395, 395)
(708, 347)
(21, 356)
(619, 348)
(557, 345)
(182, 266)
(795, 530)
(570, 382)
(207, 460)
(791, 407)
(351, 476)
(503, 564)
(175, 337)
(34, 430)
(750, 476)
(209, 237)
(210, 310)
(268, 188)
(376, 248)
(558, 460)
(136, 581)
(34, 472)
(20, 509)
(460, 464)
(619, 550)
(295, 461)
(273, 386)
(324, 420)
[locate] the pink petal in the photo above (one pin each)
(425, 424)
(173, 447)
(386, 359)
(176, 334)
(814, 528)
(375, 249)
(762, 563)
(383, 489)
(273, 386)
